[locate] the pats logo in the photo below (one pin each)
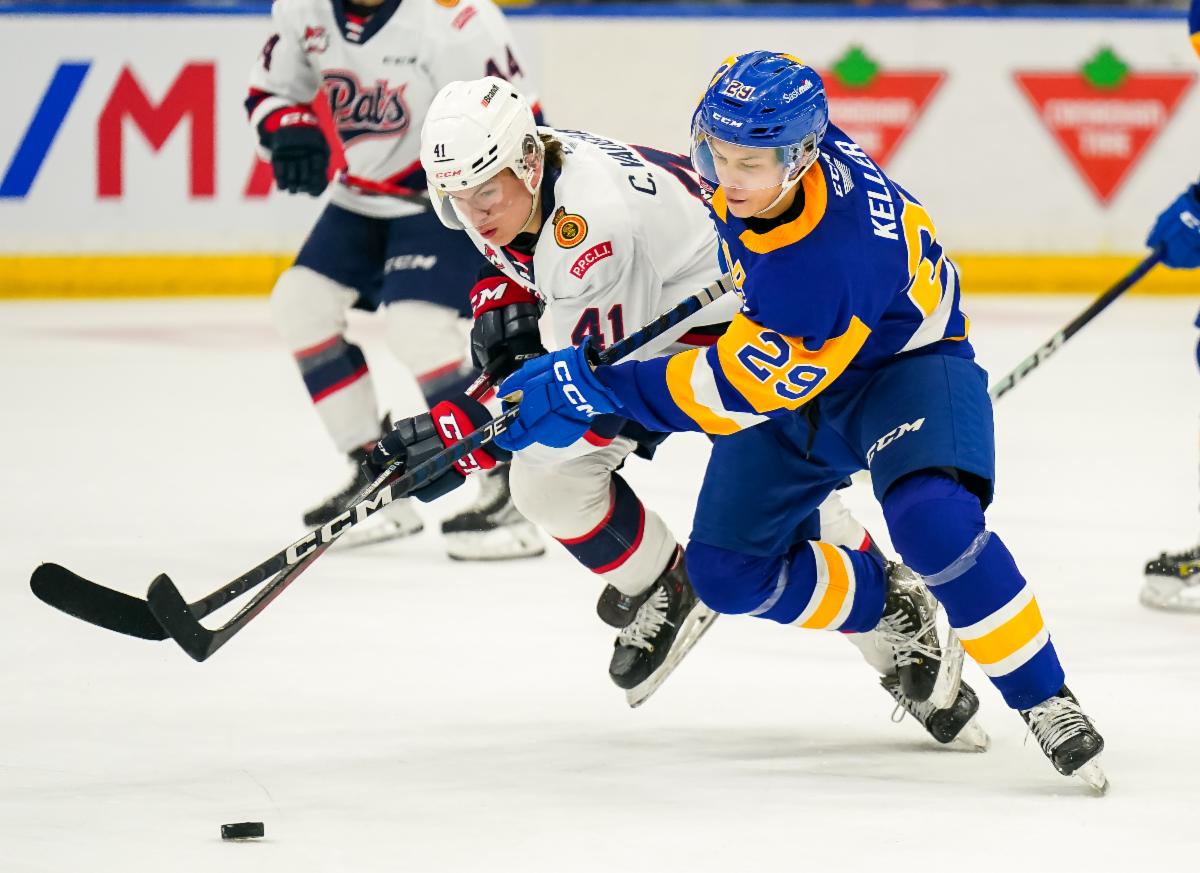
(569, 229)
(877, 109)
(360, 111)
(590, 258)
(316, 40)
(1104, 116)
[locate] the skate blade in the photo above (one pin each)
(697, 626)
(972, 738)
(379, 532)
(1093, 776)
(1170, 595)
(949, 678)
(505, 543)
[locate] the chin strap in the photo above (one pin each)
(791, 183)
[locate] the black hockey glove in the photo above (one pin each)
(299, 150)
(419, 438)
(505, 332)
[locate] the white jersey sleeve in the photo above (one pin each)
(282, 75)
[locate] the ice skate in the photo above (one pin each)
(668, 623)
(491, 529)
(1172, 582)
(953, 725)
(617, 609)
(909, 626)
(1068, 738)
(398, 519)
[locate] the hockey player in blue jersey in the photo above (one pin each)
(850, 353)
(1172, 581)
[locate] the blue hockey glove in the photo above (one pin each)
(1178, 231)
(560, 395)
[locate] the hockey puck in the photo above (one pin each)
(242, 830)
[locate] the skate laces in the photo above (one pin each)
(1056, 720)
(920, 709)
(648, 621)
(908, 645)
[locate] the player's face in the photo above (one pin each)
(497, 209)
(751, 178)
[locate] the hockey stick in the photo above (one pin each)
(165, 606)
(123, 613)
(1056, 342)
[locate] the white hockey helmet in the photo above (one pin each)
(474, 130)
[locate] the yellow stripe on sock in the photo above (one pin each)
(835, 591)
(1002, 642)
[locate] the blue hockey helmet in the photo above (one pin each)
(761, 100)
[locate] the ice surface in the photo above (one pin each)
(396, 711)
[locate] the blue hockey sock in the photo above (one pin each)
(938, 527)
(817, 585)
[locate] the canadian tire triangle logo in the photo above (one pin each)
(876, 108)
(1105, 116)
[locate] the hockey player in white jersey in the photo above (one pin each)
(377, 245)
(587, 236)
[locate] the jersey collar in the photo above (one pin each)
(374, 24)
(816, 199)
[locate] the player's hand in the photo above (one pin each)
(1177, 231)
(505, 331)
(559, 397)
(414, 440)
(502, 339)
(299, 150)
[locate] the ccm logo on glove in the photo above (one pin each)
(453, 424)
(562, 372)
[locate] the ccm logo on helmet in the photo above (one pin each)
(447, 174)
(574, 396)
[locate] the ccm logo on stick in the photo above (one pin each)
(296, 551)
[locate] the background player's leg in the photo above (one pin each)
(1172, 580)
(309, 311)
(338, 268)
(427, 277)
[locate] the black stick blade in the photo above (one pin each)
(171, 611)
(67, 592)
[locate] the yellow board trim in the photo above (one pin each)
(1196, 42)
(679, 383)
(835, 592)
(57, 277)
(1007, 639)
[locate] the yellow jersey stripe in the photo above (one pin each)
(679, 383)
